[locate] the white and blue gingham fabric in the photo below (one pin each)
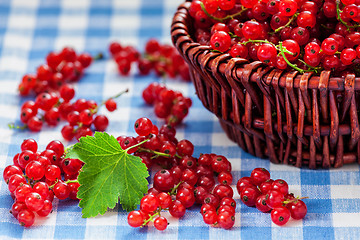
(29, 29)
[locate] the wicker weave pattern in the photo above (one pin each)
(288, 117)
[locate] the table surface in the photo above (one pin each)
(31, 29)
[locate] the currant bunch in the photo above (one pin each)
(52, 107)
(183, 181)
(168, 104)
(163, 59)
(35, 177)
(267, 195)
(307, 36)
(60, 68)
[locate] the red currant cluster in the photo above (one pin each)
(270, 195)
(35, 177)
(61, 67)
(168, 104)
(298, 34)
(81, 114)
(163, 59)
(183, 181)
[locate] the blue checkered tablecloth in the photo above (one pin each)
(29, 29)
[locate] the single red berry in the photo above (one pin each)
(61, 190)
(274, 198)
(160, 223)
(281, 186)
(110, 105)
(149, 203)
(29, 144)
(220, 41)
(185, 148)
(266, 186)
(261, 204)
(177, 209)
(329, 46)
(297, 209)
(163, 180)
(288, 7)
(164, 200)
(249, 194)
(135, 219)
(252, 30)
(26, 218)
(280, 215)
(259, 175)
(101, 122)
(226, 220)
(228, 201)
(143, 126)
(85, 59)
(34, 170)
(210, 217)
(223, 191)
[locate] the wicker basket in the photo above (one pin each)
(288, 117)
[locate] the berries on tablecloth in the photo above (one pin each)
(163, 59)
(36, 176)
(267, 195)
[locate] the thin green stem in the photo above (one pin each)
(288, 23)
(96, 109)
(115, 96)
(98, 56)
(243, 9)
(314, 69)
(136, 145)
(13, 126)
(72, 181)
(173, 190)
(52, 186)
(158, 154)
(151, 218)
(256, 41)
(294, 200)
(287, 61)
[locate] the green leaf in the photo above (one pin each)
(108, 175)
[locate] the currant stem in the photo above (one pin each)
(95, 110)
(151, 218)
(243, 9)
(136, 145)
(98, 56)
(13, 126)
(154, 152)
(288, 23)
(256, 41)
(173, 190)
(72, 181)
(116, 96)
(315, 69)
(294, 200)
(282, 52)
(52, 186)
